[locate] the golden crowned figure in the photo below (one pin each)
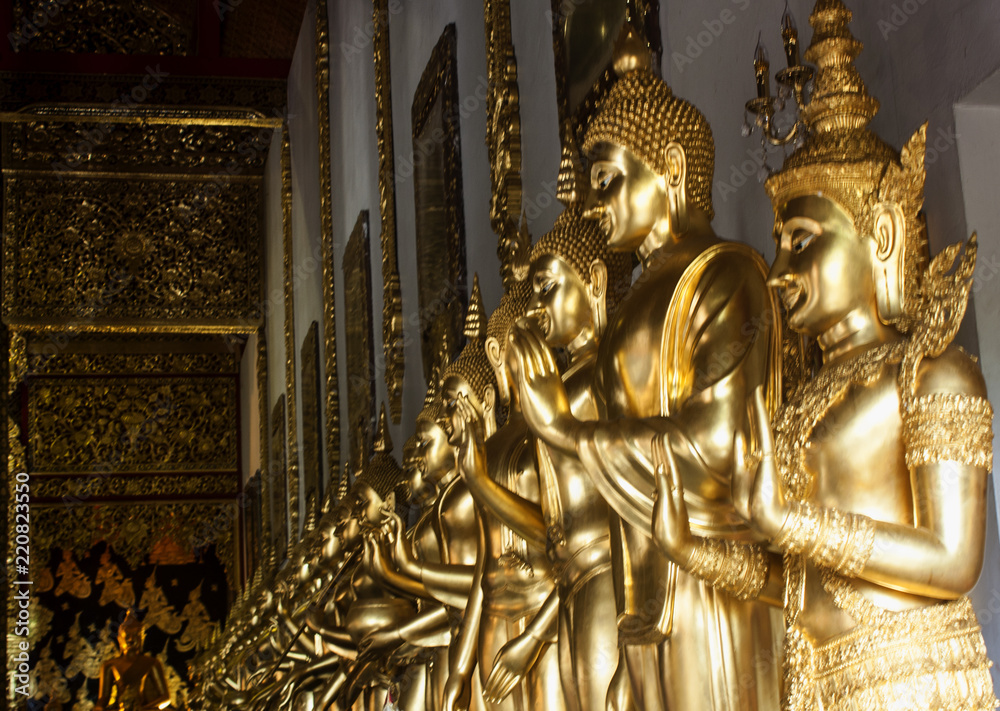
(873, 486)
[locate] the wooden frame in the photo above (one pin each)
(359, 342)
(440, 219)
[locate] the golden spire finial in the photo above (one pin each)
(383, 441)
(475, 320)
(631, 52)
(840, 100)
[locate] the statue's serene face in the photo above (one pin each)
(633, 196)
(368, 504)
(421, 489)
(823, 270)
(451, 387)
(434, 456)
(559, 302)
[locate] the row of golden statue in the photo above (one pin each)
(717, 485)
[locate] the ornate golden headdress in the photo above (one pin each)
(841, 157)
(471, 363)
(642, 115)
(579, 240)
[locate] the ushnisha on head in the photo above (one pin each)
(512, 307)
(575, 279)
(381, 474)
(652, 160)
(471, 374)
(846, 182)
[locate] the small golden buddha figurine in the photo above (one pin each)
(688, 344)
(132, 681)
(874, 484)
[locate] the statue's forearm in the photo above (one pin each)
(522, 516)
(427, 624)
(544, 627)
(402, 583)
(939, 556)
(450, 584)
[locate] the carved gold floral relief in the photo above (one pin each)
(130, 251)
(132, 424)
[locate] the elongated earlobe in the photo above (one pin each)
(597, 291)
(888, 238)
(675, 186)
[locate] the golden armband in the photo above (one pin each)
(738, 568)
(832, 539)
(946, 427)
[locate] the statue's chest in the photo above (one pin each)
(630, 357)
(856, 452)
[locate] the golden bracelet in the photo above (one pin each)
(741, 569)
(832, 539)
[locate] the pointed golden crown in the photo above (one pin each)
(841, 157)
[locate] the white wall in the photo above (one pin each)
(977, 119)
(307, 258)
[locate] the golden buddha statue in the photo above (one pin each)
(132, 681)
(514, 576)
(570, 273)
(690, 341)
(873, 486)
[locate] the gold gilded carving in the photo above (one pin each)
(392, 303)
(134, 528)
(20, 90)
(949, 427)
(292, 448)
(128, 364)
(113, 27)
(437, 187)
(359, 342)
(503, 142)
(279, 484)
(107, 141)
(84, 252)
(132, 424)
(312, 442)
(71, 488)
(332, 405)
